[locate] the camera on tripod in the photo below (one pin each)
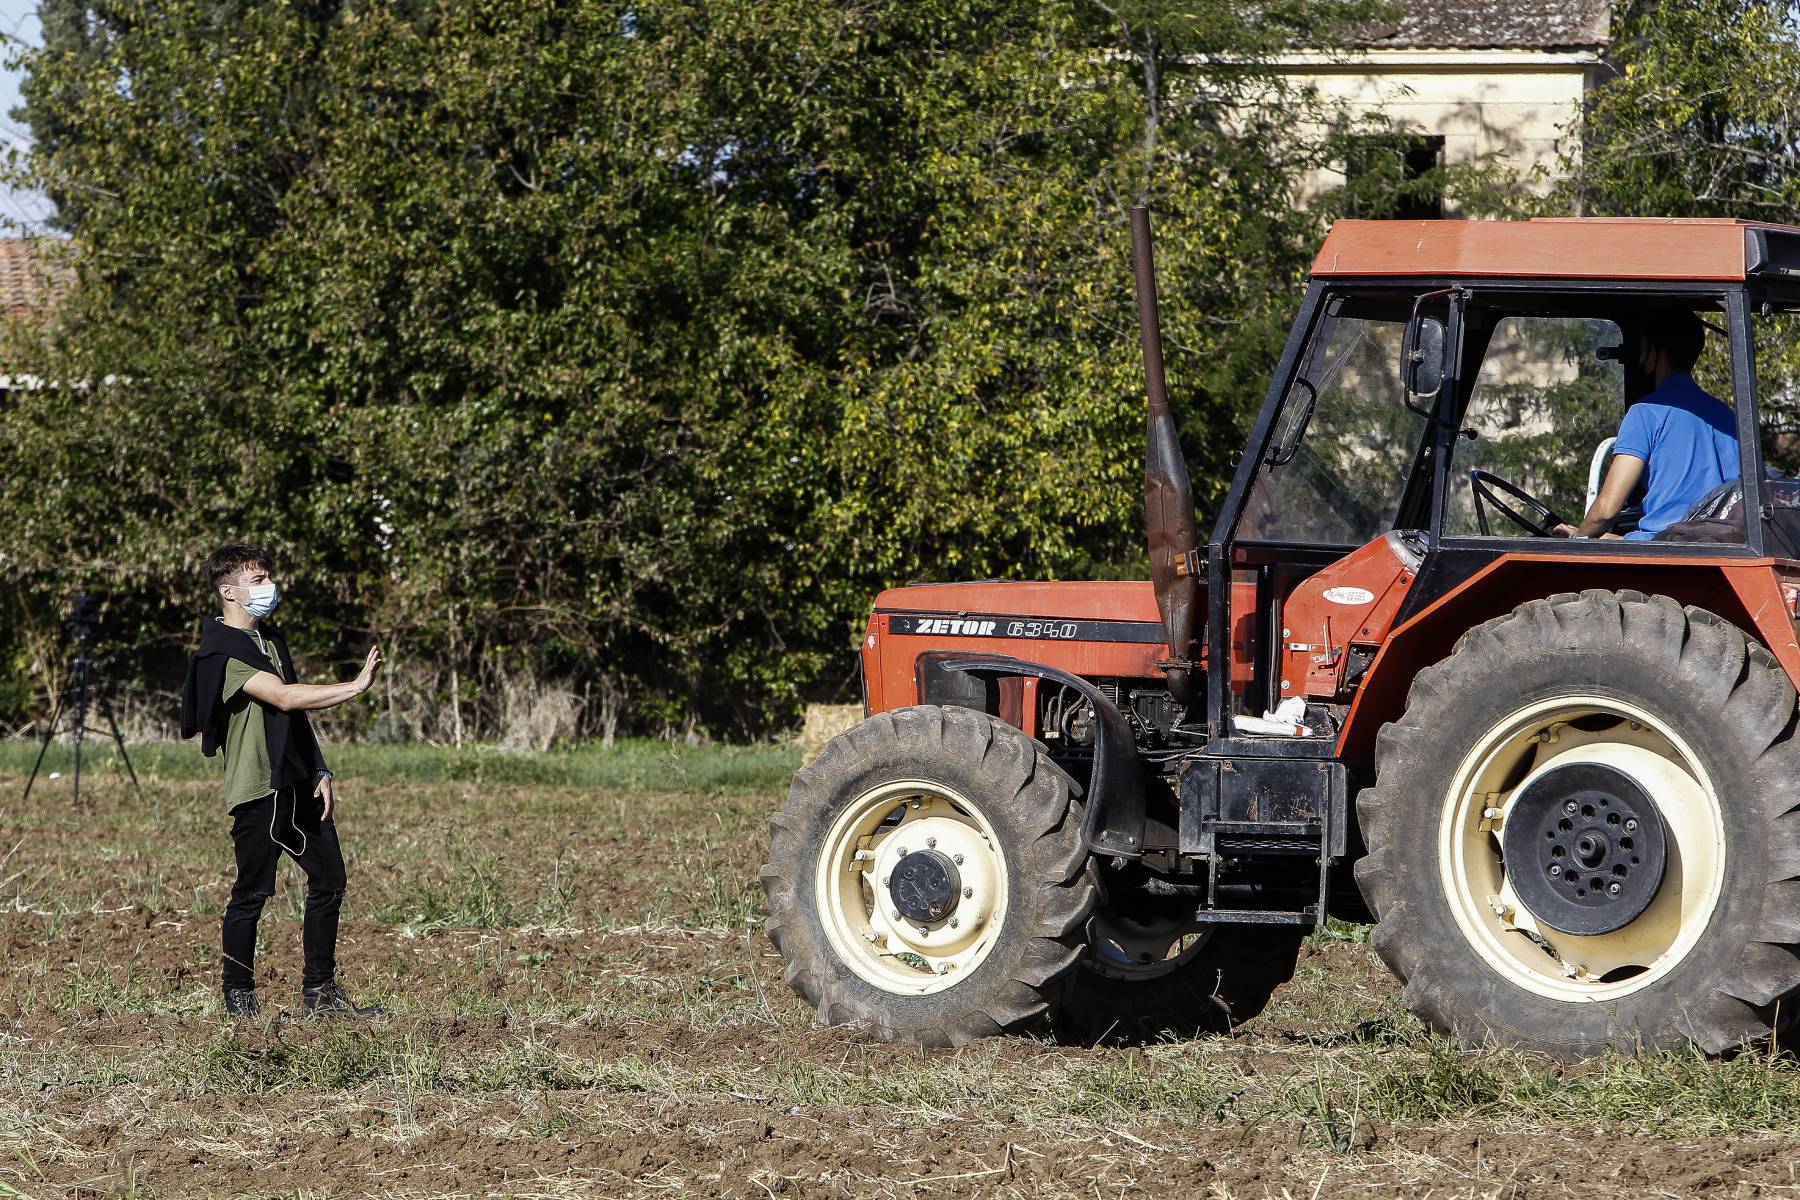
(82, 686)
(83, 617)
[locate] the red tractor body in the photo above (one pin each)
(1563, 768)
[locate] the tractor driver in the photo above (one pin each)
(1679, 441)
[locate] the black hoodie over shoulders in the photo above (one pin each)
(202, 696)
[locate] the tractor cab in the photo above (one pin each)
(1429, 424)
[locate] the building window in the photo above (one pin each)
(1396, 177)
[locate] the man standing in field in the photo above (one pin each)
(241, 694)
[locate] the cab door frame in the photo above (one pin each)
(1222, 545)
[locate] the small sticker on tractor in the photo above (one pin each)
(1349, 595)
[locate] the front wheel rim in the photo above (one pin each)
(897, 824)
(1603, 733)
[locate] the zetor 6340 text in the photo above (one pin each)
(1559, 774)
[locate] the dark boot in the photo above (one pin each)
(242, 1004)
(329, 1000)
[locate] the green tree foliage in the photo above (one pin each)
(1697, 118)
(629, 350)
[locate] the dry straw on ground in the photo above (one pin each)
(584, 1006)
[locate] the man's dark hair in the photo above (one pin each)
(229, 559)
(1677, 332)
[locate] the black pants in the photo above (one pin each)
(287, 820)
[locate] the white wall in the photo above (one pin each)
(1517, 104)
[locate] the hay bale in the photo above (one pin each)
(824, 722)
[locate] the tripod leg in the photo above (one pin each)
(49, 732)
(107, 712)
(81, 707)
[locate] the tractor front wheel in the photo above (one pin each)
(1583, 832)
(927, 879)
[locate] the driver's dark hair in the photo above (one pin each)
(1677, 332)
(231, 558)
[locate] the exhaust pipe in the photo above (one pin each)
(1168, 492)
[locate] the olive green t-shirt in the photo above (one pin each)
(247, 764)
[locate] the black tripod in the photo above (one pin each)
(83, 685)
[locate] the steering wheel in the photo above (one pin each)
(1482, 486)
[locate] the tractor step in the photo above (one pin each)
(1254, 916)
(1243, 846)
(1237, 805)
(1247, 807)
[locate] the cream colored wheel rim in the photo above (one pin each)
(1524, 950)
(872, 834)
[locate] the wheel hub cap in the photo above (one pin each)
(1585, 848)
(925, 886)
(953, 867)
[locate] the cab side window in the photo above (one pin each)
(1549, 394)
(1777, 339)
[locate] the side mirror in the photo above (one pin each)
(1422, 359)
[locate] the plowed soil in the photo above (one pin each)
(582, 1004)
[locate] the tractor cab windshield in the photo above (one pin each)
(1546, 382)
(1344, 446)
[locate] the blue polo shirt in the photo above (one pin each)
(1688, 438)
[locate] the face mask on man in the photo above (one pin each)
(262, 599)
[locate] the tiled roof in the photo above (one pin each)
(33, 274)
(1496, 24)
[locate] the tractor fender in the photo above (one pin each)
(1113, 824)
(1755, 594)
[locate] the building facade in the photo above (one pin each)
(1466, 80)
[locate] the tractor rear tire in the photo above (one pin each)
(980, 936)
(1546, 735)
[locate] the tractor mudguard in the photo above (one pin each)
(1755, 595)
(1114, 822)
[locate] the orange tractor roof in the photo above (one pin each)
(1664, 248)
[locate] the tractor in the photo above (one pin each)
(1559, 775)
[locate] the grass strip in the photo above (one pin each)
(635, 764)
(1334, 1097)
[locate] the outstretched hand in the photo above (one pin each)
(371, 664)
